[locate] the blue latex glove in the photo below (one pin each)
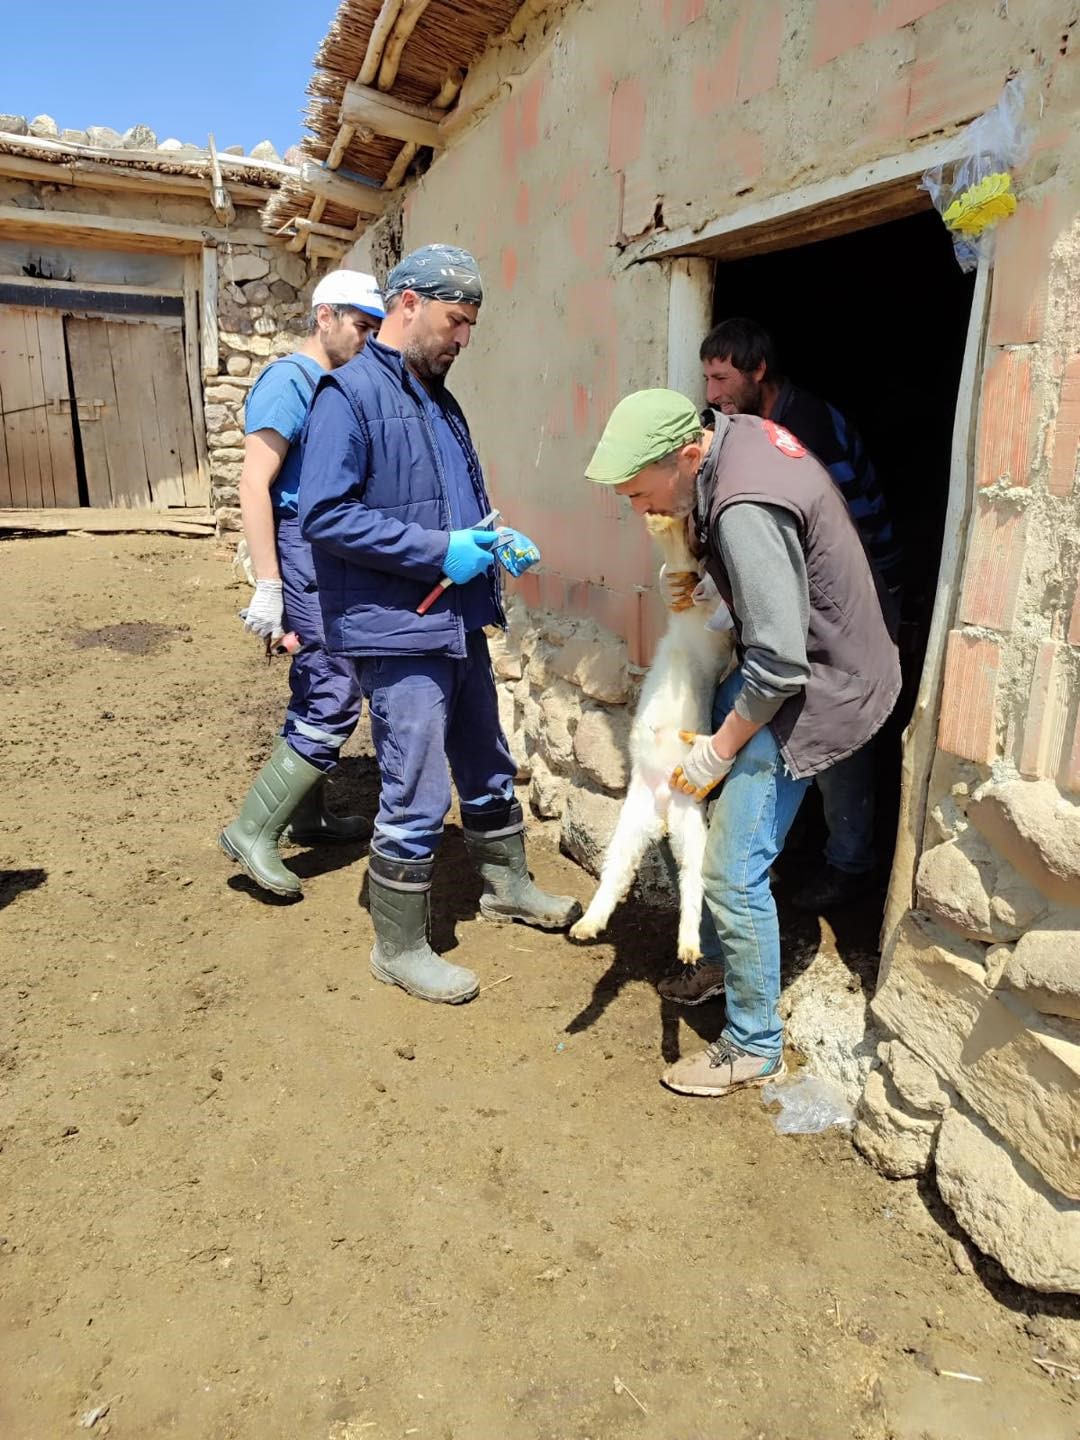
(469, 554)
(516, 551)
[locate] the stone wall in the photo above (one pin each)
(567, 690)
(264, 299)
(980, 996)
(980, 984)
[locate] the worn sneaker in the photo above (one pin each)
(830, 888)
(721, 1068)
(692, 984)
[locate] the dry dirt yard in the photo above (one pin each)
(248, 1192)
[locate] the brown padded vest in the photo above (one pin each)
(854, 667)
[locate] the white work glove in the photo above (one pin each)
(676, 588)
(266, 613)
(703, 768)
(705, 591)
(706, 594)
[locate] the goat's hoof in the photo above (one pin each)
(688, 954)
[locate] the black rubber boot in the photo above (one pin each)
(832, 889)
(509, 890)
(252, 838)
(313, 824)
(399, 893)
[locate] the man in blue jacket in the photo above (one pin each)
(325, 702)
(391, 499)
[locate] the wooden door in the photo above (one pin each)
(37, 449)
(129, 380)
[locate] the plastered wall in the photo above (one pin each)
(635, 116)
(638, 113)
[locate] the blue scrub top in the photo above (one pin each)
(280, 400)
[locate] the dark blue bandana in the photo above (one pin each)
(441, 272)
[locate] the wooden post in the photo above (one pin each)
(690, 299)
(219, 196)
(191, 355)
(208, 331)
(920, 735)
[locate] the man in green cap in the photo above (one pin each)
(817, 676)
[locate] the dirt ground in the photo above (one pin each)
(248, 1192)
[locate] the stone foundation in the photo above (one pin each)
(981, 990)
(567, 693)
(263, 307)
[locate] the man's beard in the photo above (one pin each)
(430, 369)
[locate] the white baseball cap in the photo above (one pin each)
(350, 287)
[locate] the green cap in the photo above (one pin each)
(643, 428)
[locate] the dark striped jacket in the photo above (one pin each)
(838, 445)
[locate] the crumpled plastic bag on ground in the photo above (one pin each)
(974, 191)
(808, 1104)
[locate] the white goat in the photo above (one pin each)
(690, 662)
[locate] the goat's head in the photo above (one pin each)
(670, 534)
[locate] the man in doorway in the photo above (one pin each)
(325, 703)
(817, 677)
(742, 377)
(393, 498)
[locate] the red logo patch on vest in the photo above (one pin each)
(783, 439)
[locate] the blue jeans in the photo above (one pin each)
(325, 699)
(847, 797)
(750, 821)
(427, 710)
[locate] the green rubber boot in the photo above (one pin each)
(313, 824)
(509, 890)
(399, 893)
(252, 838)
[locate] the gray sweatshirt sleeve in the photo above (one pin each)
(763, 556)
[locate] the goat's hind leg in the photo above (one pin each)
(689, 830)
(638, 825)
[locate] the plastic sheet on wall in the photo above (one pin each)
(975, 190)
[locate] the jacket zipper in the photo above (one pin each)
(443, 490)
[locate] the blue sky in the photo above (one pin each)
(235, 67)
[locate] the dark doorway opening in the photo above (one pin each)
(875, 322)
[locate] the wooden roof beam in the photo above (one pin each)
(119, 232)
(93, 175)
(364, 199)
(386, 115)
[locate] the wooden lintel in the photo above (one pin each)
(121, 232)
(396, 119)
(95, 175)
(364, 199)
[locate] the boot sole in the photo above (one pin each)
(497, 917)
(701, 999)
(258, 880)
(387, 979)
(709, 1092)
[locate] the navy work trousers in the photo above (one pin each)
(325, 701)
(428, 712)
